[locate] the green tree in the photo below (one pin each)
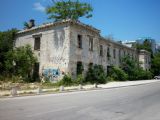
(69, 10)
(6, 44)
(26, 25)
(20, 62)
(133, 69)
(146, 45)
(155, 66)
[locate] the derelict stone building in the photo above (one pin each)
(63, 46)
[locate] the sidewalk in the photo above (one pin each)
(109, 85)
(126, 83)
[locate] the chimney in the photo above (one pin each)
(31, 23)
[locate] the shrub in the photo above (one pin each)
(66, 81)
(134, 71)
(96, 74)
(20, 62)
(117, 73)
(143, 75)
(79, 79)
(110, 79)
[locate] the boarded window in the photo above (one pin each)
(101, 50)
(79, 40)
(37, 43)
(91, 43)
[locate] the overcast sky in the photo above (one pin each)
(122, 19)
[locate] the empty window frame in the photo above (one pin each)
(101, 50)
(120, 55)
(114, 53)
(79, 41)
(108, 53)
(90, 43)
(90, 65)
(37, 41)
(79, 67)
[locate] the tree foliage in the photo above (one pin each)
(26, 25)
(146, 45)
(20, 62)
(63, 10)
(6, 44)
(155, 66)
(133, 69)
(15, 61)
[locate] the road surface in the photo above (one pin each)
(140, 102)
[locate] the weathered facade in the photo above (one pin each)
(145, 59)
(62, 46)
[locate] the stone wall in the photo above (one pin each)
(59, 47)
(145, 59)
(86, 56)
(54, 47)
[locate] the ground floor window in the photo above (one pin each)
(79, 68)
(90, 65)
(109, 68)
(36, 72)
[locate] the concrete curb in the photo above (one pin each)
(111, 85)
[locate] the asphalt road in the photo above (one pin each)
(128, 103)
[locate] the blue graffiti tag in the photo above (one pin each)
(51, 72)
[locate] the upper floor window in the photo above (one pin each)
(101, 50)
(79, 41)
(108, 53)
(132, 56)
(37, 41)
(119, 55)
(91, 43)
(114, 53)
(124, 53)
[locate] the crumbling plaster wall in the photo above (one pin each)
(86, 56)
(145, 59)
(54, 46)
(82, 54)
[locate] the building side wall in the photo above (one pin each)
(145, 60)
(82, 54)
(54, 47)
(59, 49)
(86, 56)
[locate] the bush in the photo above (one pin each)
(96, 74)
(66, 81)
(143, 75)
(134, 71)
(20, 62)
(117, 73)
(79, 80)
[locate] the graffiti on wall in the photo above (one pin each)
(51, 72)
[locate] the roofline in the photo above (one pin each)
(144, 51)
(59, 23)
(118, 44)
